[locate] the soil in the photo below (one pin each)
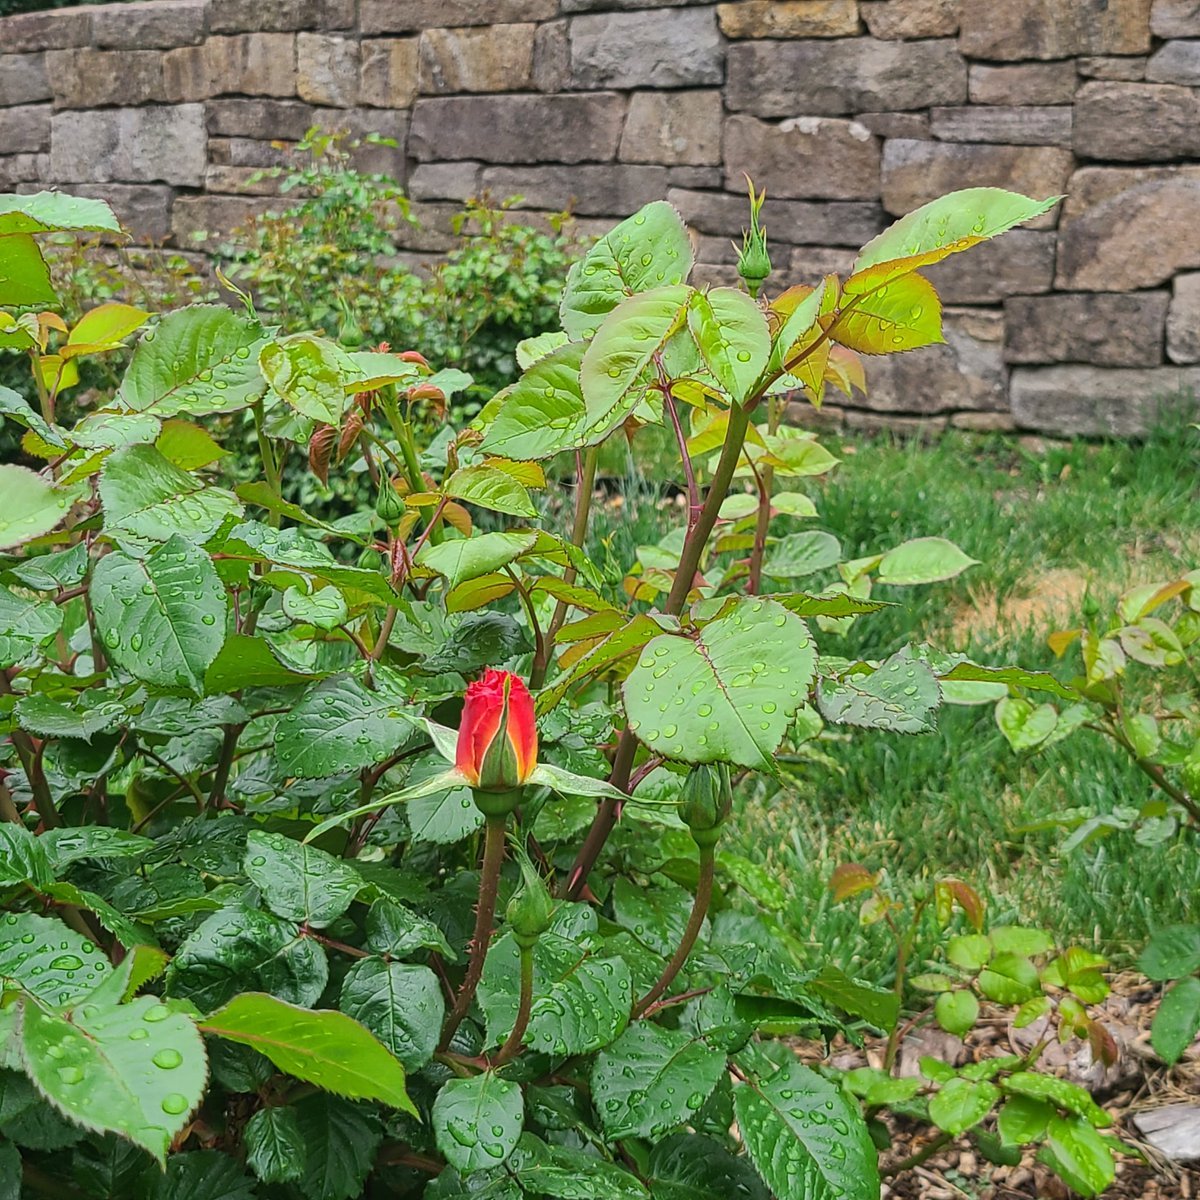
(1135, 1083)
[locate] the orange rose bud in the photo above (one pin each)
(497, 740)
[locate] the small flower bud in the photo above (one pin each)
(388, 504)
(754, 263)
(529, 911)
(706, 802)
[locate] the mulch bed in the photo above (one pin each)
(1136, 1082)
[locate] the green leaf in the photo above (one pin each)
(299, 882)
(961, 1104)
(1009, 979)
(1016, 939)
(47, 717)
(648, 250)
(805, 1139)
(490, 488)
(325, 607)
(341, 726)
(13, 406)
(1177, 1020)
(730, 694)
(1076, 1152)
(732, 336)
(396, 930)
(754, 879)
(879, 1006)
(443, 817)
(196, 360)
(1024, 725)
(657, 916)
(244, 662)
(651, 1080)
(112, 430)
(691, 1167)
(341, 1142)
(543, 413)
(477, 1121)
(1041, 681)
(237, 949)
(443, 781)
(24, 276)
(200, 1175)
(26, 622)
(903, 314)
(622, 349)
(956, 1012)
(65, 846)
(50, 212)
(481, 639)
(32, 505)
(326, 1048)
(581, 1002)
(570, 1174)
(48, 960)
(23, 861)
(161, 618)
(533, 349)
(567, 783)
(1062, 1092)
(1171, 953)
(468, 558)
(146, 496)
(800, 554)
(1023, 1120)
(135, 1069)
(401, 1004)
(923, 560)
(971, 951)
(943, 227)
(310, 373)
(898, 696)
(275, 1149)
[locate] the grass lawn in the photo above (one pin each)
(1049, 523)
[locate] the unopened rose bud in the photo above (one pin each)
(706, 802)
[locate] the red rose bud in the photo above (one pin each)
(497, 740)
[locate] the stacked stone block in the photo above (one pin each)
(849, 112)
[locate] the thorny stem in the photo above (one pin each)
(1151, 770)
(585, 482)
(704, 890)
(689, 562)
(485, 916)
(216, 794)
(512, 1044)
(31, 761)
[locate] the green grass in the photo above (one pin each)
(1048, 525)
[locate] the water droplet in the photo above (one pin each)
(175, 1104)
(167, 1059)
(66, 962)
(70, 1074)
(159, 1012)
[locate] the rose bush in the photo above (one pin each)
(256, 839)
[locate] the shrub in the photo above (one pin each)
(274, 928)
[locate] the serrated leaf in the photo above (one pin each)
(490, 488)
(310, 373)
(341, 1141)
(326, 1048)
(741, 682)
(26, 622)
(50, 212)
(945, 226)
(732, 335)
(469, 558)
(275, 1149)
(1077, 1153)
(161, 618)
(800, 1158)
(647, 250)
(477, 1121)
(1061, 1092)
(24, 276)
(32, 505)
(961, 1104)
(1023, 724)
(898, 696)
(341, 726)
(903, 314)
(570, 1174)
(23, 862)
(532, 349)
(623, 347)
(691, 1167)
(956, 1012)
(244, 662)
(135, 1069)
(43, 957)
(325, 607)
(299, 882)
(581, 1001)
(543, 413)
(196, 360)
(146, 496)
(400, 1003)
(651, 1080)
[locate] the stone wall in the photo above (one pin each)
(850, 112)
